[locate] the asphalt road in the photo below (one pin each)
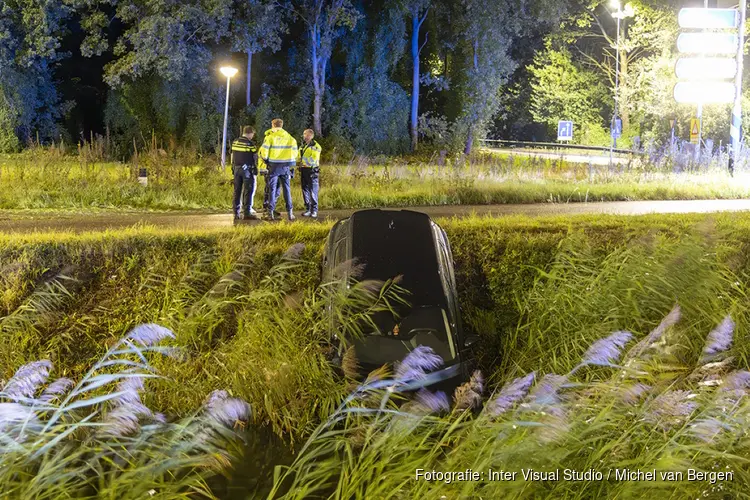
(32, 222)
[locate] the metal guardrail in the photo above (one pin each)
(555, 145)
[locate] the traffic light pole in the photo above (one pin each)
(736, 130)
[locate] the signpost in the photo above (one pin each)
(704, 92)
(705, 68)
(616, 129)
(695, 126)
(707, 43)
(698, 18)
(707, 80)
(565, 131)
(672, 123)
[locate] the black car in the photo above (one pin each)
(389, 243)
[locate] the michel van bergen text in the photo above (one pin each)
(573, 475)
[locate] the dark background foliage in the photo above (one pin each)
(147, 72)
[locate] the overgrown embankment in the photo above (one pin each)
(537, 291)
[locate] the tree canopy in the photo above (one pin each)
(369, 76)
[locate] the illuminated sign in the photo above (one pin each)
(708, 18)
(711, 68)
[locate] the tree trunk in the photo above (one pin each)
(415, 79)
(624, 84)
(249, 81)
(318, 91)
(470, 138)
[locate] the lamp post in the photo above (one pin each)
(229, 72)
(619, 14)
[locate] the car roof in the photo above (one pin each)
(399, 242)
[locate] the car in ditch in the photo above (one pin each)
(384, 244)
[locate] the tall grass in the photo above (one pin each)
(96, 438)
(649, 411)
(250, 314)
(536, 291)
(46, 181)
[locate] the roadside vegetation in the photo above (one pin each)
(247, 308)
(44, 179)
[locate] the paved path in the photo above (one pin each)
(32, 222)
(593, 157)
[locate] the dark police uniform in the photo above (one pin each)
(244, 168)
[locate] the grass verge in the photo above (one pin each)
(66, 184)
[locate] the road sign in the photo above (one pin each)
(565, 131)
(704, 92)
(711, 68)
(695, 128)
(707, 43)
(708, 18)
(672, 123)
(617, 129)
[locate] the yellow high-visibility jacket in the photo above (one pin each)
(279, 148)
(309, 155)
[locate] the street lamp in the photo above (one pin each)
(621, 13)
(229, 72)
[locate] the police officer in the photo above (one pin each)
(309, 157)
(279, 152)
(267, 191)
(245, 170)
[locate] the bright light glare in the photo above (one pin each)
(713, 68)
(615, 4)
(708, 18)
(707, 43)
(228, 71)
(704, 92)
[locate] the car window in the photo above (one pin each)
(340, 252)
(446, 265)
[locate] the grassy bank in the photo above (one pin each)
(527, 287)
(70, 184)
(251, 313)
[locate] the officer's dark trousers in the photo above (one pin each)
(310, 187)
(244, 187)
(267, 192)
(276, 176)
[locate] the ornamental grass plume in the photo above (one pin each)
(128, 409)
(13, 414)
(67, 445)
(27, 380)
(546, 392)
(510, 394)
(149, 334)
(671, 408)
(418, 363)
(719, 340)
(632, 394)
(430, 402)
(226, 410)
(656, 334)
(604, 352)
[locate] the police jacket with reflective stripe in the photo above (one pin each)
(310, 155)
(244, 152)
(279, 148)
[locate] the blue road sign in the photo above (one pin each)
(565, 131)
(617, 129)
